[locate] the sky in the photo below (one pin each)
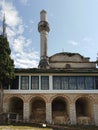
(73, 28)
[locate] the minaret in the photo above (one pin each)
(43, 28)
(4, 27)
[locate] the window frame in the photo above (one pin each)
(22, 86)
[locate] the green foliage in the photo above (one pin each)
(6, 63)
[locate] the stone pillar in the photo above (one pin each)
(95, 110)
(50, 83)
(19, 82)
(48, 112)
(5, 107)
(72, 113)
(29, 82)
(39, 82)
(26, 112)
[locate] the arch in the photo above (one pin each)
(37, 96)
(89, 97)
(60, 110)
(67, 66)
(37, 110)
(15, 105)
(66, 98)
(8, 97)
(84, 110)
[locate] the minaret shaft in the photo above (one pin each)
(43, 15)
(44, 45)
(43, 28)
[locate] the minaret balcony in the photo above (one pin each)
(43, 25)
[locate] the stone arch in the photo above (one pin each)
(38, 96)
(86, 96)
(8, 97)
(84, 109)
(15, 105)
(68, 100)
(37, 109)
(60, 109)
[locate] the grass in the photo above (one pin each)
(51, 127)
(10, 127)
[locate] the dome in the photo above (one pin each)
(69, 57)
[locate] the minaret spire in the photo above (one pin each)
(4, 27)
(43, 28)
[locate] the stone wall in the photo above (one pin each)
(69, 99)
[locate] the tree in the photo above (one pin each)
(6, 66)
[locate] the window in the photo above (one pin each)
(96, 82)
(24, 82)
(60, 82)
(56, 82)
(64, 82)
(34, 82)
(15, 82)
(72, 82)
(89, 83)
(68, 66)
(44, 82)
(80, 83)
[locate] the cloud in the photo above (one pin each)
(24, 59)
(24, 2)
(31, 21)
(73, 42)
(87, 39)
(11, 13)
(23, 55)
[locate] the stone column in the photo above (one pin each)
(26, 112)
(48, 112)
(5, 107)
(50, 83)
(72, 113)
(29, 82)
(95, 110)
(19, 82)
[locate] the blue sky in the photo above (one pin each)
(73, 28)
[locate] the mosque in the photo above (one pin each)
(62, 90)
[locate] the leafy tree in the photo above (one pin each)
(6, 66)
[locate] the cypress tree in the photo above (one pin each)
(6, 66)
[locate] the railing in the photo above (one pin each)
(85, 120)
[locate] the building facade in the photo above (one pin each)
(62, 90)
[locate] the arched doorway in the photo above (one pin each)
(16, 106)
(83, 110)
(37, 110)
(60, 111)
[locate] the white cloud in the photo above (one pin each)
(11, 32)
(20, 29)
(24, 2)
(11, 13)
(21, 51)
(87, 39)
(31, 21)
(24, 59)
(73, 42)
